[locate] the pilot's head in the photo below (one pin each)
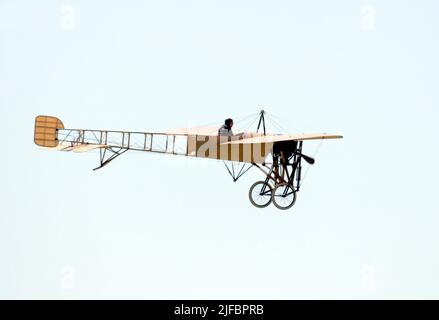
(229, 123)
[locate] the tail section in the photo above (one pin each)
(46, 131)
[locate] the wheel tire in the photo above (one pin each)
(268, 195)
(287, 201)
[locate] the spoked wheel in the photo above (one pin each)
(284, 196)
(260, 194)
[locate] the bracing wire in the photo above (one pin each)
(236, 169)
(276, 121)
(278, 126)
(314, 155)
(236, 120)
(250, 124)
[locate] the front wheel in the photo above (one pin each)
(284, 196)
(260, 194)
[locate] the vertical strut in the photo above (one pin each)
(262, 121)
(299, 166)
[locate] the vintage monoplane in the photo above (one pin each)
(278, 156)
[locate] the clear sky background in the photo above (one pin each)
(365, 224)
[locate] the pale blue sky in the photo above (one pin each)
(149, 226)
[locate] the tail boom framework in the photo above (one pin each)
(50, 132)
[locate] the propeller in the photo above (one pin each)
(306, 158)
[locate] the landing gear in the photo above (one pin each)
(284, 174)
(109, 154)
(284, 196)
(260, 194)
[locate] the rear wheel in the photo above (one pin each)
(283, 196)
(260, 194)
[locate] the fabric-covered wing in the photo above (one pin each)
(277, 138)
(78, 148)
(202, 131)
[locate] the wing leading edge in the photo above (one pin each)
(278, 138)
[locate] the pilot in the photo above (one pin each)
(226, 129)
